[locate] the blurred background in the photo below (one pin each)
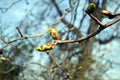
(95, 59)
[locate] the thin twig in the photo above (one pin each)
(12, 68)
(62, 14)
(82, 38)
(67, 73)
(24, 37)
(26, 63)
(107, 24)
(48, 52)
(113, 22)
(18, 29)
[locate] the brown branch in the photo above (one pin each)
(107, 24)
(112, 22)
(96, 19)
(82, 38)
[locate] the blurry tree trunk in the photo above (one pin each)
(87, 49)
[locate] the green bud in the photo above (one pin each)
(91, 7)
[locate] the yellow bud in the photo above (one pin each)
(105, 12)
(46, 47)
(54, 33)
(3, 58)
(41, 48)
(109, 14)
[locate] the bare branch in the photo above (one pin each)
(82, 38)
(57, 64)
(24, 37)
(3, 10)
(18, 29)
(107, 24)
(112, 22)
